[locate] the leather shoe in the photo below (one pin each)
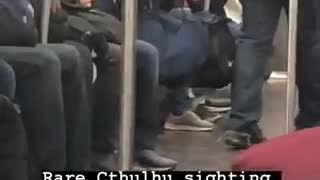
(152, 160)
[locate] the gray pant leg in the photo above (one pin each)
(260, 20)
(76, 106)
(39, 93)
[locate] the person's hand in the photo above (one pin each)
(55, 6)
(86, 3)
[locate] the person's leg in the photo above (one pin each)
(87, 68)
(39, 94)
(146, 107)
(180, 100)
(13, 151)
(182, 118)
(86, 61)
(177, 66)
(7, 79)
(76, 106)
(147, 82)
(106, 103)
(308, 72)
(260, 20)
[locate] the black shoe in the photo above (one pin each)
(109, 162)
(104, 162)
(245, 138)
(153, 161)
(301, 123)
(237, 140)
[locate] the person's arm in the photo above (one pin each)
(55, 6)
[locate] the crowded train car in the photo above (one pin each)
(159, 85)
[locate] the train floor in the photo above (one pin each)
(202, 151)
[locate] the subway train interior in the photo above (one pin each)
(157, 85)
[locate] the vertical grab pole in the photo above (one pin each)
(128, 84)
(45, 21)
(292, 58)
(207, 5)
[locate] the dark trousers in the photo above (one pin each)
(43, 101)
(39, 93)
(7, 80)
(260, 20)
(107, 100)
(76, 104)
(13, 151)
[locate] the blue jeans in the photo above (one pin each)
(260, 19)
(7, 79)
(107, 92)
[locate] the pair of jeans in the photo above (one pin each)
(52, 94)
(7, 80)
(260, 20)
(107, 99)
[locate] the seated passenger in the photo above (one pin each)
(178, 60)
(184, 65)
(39, 71)
(107, 93)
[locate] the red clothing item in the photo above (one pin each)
(297, 155)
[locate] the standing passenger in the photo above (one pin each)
(260, 20)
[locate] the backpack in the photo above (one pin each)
(17, 29)
(13, 151)
(217, 70)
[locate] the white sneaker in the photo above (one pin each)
(189, 121)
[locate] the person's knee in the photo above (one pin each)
(7, 78)
(46, 61)
(147, 55)
(85, 60)
(69, 53)
(68, 56)
(7, 72)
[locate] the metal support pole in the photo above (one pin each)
(292, 58)
(207, 5)
(45, 21)
(128, 84)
